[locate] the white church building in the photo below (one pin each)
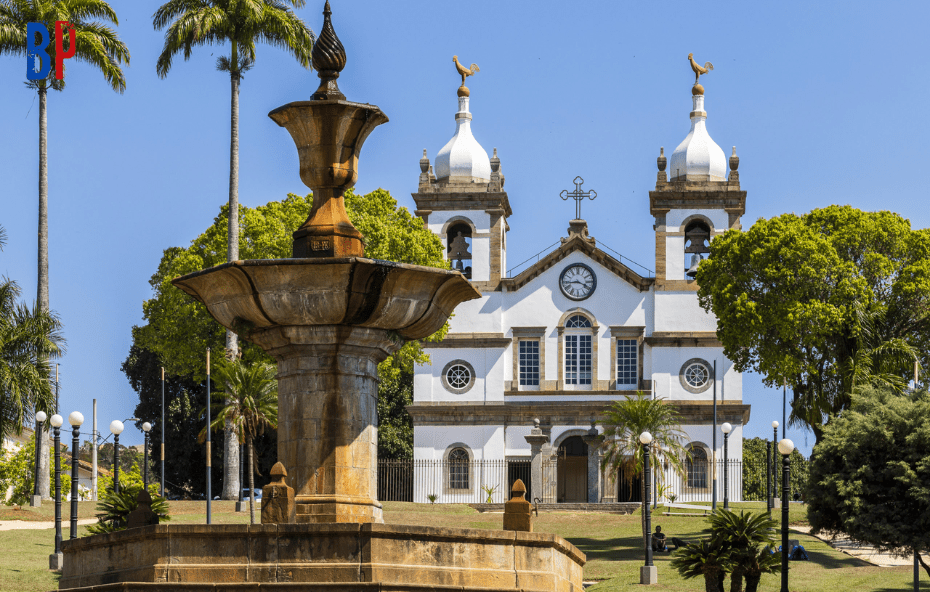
(567, 336)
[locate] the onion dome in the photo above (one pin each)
(698, 158)
(463, 159)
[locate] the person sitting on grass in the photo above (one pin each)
(658, 540)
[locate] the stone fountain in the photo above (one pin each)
(328, 316)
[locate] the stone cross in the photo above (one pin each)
(578, 195)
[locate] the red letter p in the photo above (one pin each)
(60, 54)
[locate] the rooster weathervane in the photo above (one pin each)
(465, 72)
(698, 70)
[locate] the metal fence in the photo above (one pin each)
(477, 481)
(451, 482)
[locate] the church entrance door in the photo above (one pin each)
(573, 471)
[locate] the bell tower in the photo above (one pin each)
(464, 202)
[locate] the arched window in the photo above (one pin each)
(578, 348)
(696, 464)
(458, 469)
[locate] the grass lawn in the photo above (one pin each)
(611, 542)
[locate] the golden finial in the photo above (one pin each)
(698, 89)
(463, 90)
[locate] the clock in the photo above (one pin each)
(577, 281)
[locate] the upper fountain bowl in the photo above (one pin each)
(251, 296)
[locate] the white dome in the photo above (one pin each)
(463, 159)
(698, 158)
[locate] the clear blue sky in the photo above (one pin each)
(825, 102)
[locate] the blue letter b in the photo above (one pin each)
(37, 51)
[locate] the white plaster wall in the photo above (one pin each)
(481, 259)
(674, 219)
(680, 311)
(667, 363)
(488, 382)
(482, 315)
(515, 438)
(675, 257)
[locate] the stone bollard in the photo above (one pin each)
(143, 514)
(517, 510)
(278, 505)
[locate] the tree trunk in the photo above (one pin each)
(42, 297)
(736, 580)
(712, 581)
(922, 563)
(251, 486)
(231, 483)
(752, 582)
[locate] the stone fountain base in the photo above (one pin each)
(320, 557)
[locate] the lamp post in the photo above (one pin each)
(209, 452)
(785, 447)
(726, 428)
(116, 428)
(647, 574)
(163, 432)
(774, 463)
(75, 419)
(36, 497)
(55, 559)
(146, 428)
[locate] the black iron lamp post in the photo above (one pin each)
(75, 419)
(116, 428)
(146, 428)
(54, 560)
(785, 447)
(40, 419)
(647, 574)
(726, 428)
(769, 473)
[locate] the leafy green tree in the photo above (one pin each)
(95, 44)
(623, 423)
(17, 470)
(822, 302)
(870, 473)
(242, 23)
(130, 478)
(249, 404)
(754, 459)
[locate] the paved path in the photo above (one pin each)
(27, 525)
(863, 552)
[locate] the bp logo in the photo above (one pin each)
(37, 40)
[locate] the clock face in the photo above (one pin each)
(578, 281)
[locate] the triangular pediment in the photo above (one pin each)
(588, 247)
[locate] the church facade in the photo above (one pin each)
(579, 329)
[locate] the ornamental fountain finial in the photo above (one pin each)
(329, 58)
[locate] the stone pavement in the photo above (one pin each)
(864, 552)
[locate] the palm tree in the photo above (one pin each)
(97, 45)
(742, 535)
(241, 23)
(625, 420)
(704, 558)
(249, 404)
(28, 340)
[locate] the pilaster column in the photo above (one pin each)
(327, 417)
(593, 440)
(536, 440)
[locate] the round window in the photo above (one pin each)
(695, 375)
(458, 376)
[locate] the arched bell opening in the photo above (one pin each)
(697, 244)
(458, 247)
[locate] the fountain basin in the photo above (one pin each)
(321, 557)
